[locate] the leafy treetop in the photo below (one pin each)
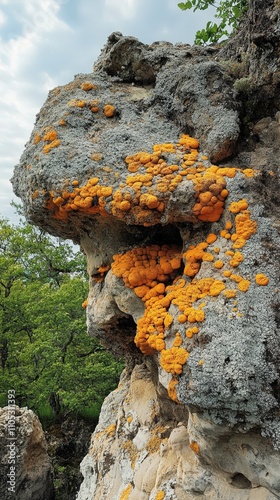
(229, 12)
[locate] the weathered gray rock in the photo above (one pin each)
(183, 259)
(26, 471)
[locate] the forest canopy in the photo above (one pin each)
(45, 353)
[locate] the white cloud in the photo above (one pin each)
(126, 9)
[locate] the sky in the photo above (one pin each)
(44, 43)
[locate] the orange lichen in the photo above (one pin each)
(76, 103)
(109, 110)
(53, 144)
(195, 447)
(211, 238)
(236, 259)
(111, 430)
(85, 304)
(261, 279)
(87, 86)
(126, 492)
(160, 495)
(211, 193)
(37, 137)
(218, 264)
(172, 393)
(243, 285)
(173, 359)
(191, 331)
(229, 294)
(238, 206)
(50, 136)
(178, 340)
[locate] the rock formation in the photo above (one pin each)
(158, 167)
(26, 471)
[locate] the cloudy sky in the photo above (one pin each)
(44, 43)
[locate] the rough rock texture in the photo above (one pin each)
(183, 259)
(23, 447)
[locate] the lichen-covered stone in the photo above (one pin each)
(183, 259)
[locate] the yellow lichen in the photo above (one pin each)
(109, 110)
(261, 279)
(126, 492)
(195, 447)
(160, 495)
(87, 86)
(173, 359)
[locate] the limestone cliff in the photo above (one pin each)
(158, 167)
(26, 469)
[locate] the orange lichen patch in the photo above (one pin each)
(148, 200)
(178, 340)
(195, 447)
(227, 273)
(101, 273)
(229, 294)
(87, 86)
(129, 419)
(148, 266)
(191, 331)
(225, 234)
(200, 362)
(227, 172)
(210, 192)
(216, 288)
(160, 495)
(173, 359)
(248, 172)
(85, 304)
(218, 264)
(35, 195)
(172, 393)
(243, 285)
(126, 492)
(111, 430)
(62, 122)
(164, 148)
(228, 225)
(245, 227)
(96, 156)
(236, 259)
(211, 238)
(51, 145)
(194, 256)
(261, 279)
(238, 206)
(76, 103)
(109, 110)
(75, 182)
(37, 137)
(50, 136)
(94, 109)
(188, 142)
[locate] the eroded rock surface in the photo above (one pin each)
(23, 447)
(183, 259)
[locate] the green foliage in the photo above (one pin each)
(229, 12)
(45, 353)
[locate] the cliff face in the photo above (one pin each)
(26, 469)
(151, 165)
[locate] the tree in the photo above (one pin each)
(229, 12)
(45, 354)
